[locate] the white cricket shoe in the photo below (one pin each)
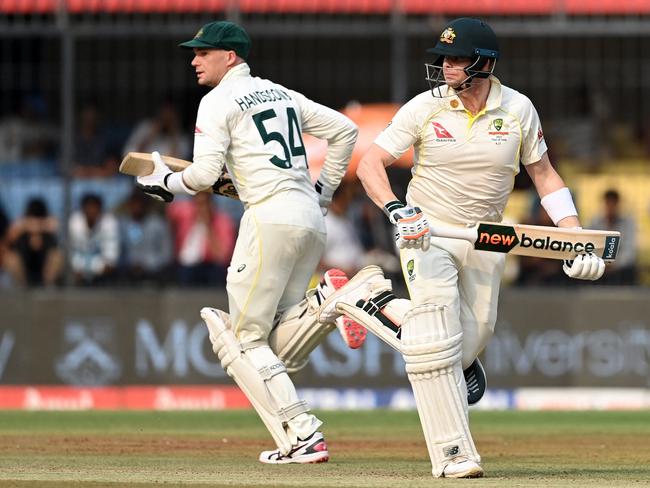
(367, 282)
(311, 450)
(462, 468)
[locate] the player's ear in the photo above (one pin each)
(232, 58)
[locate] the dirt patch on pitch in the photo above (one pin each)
(119, 445)
(542, 448)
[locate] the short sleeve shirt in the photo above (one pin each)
(464, 165)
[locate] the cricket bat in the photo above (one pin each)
(141, 164)
(536, 240)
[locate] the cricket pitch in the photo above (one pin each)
(368, 449)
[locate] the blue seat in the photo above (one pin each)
(15, 192)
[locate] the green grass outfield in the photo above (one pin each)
(368, 449)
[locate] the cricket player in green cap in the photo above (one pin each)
(253, 127)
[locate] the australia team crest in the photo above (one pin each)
(497, 131)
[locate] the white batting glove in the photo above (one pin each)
(584, 267)
(411, 226)
(325, 195)
(155, 184)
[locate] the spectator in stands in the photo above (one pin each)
(94, 242)
(624, 270)
(541, 271)
(28, 135)
(162, 133)
(34, 257)
(204, 239)
(92, 157)
(147, 247)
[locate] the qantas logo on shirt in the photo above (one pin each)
(197, 130)
(442, 134)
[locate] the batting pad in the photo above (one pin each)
(432, 348)
(381, 315)
(298, 333)
(263, 379)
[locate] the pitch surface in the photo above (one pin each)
(368, 449)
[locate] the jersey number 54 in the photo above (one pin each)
(295, 146)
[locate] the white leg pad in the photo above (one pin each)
(432, 347)
(298, 333)
(305, 325)
(263, 379)
(382, 315)
(368, 282)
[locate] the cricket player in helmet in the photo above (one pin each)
(471, 138)
(465, 38)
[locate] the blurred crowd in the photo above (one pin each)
(135, 241)
(188, 243)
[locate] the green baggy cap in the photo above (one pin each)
(221, 35)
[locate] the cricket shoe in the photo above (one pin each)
(462, 468)
(311, 450)
(336, 287)
(353, 333)
(476, 382)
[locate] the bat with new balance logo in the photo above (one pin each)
(141, 164)
(535, 240)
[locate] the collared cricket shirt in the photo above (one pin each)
(254, 127)
(464, 165)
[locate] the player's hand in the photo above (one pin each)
(585, 267)
(155, 184)
(325, 195)
(411, 226)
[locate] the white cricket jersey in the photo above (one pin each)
(254, 127)
(464, 166)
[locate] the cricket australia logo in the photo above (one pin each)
(497, 135)
(448, 35)
(87, 360)
(410, 269)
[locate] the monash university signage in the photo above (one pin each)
(563, 338)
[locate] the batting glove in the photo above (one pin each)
(155, 184)
(585, 267)
(411, 226)
(325, 195)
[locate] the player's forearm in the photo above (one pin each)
(372, 174)
(569, 222)
(555, 196)
(204, 171)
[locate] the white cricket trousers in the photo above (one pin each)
(454, 274)
(278, 248)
